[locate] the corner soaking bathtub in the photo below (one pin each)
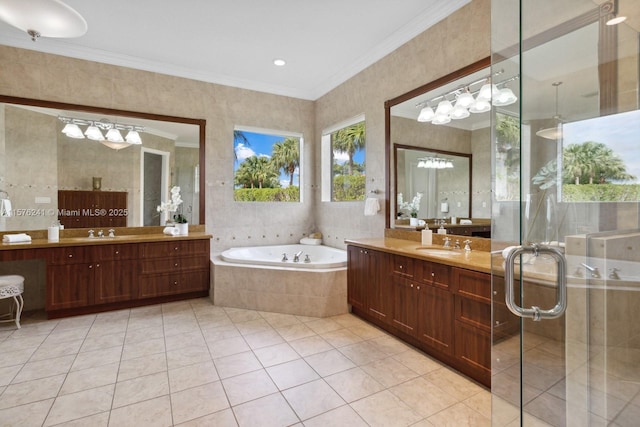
(256, 278)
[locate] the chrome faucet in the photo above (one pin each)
(307, 259)
(112, 232)
(91, 236)
(457, 244)
(284, 257)
(296, 257)
(467, 245)
(447, 243)
(595, 273)
(100, 233)
(613, 273)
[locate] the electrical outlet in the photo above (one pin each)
(43, 200)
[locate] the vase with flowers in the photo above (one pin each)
(173, 208)
(412, 207)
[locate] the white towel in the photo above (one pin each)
(170, 231)
(5, 207)
(16, 238)
(465, 222)
(371, 206)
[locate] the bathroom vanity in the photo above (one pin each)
(85, 275)
(434, 299)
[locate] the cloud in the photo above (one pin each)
(243, 152)
(340, 157)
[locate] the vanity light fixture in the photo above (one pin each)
(279, 62)
(487, 95)
(43, 18)
(434, 163)
(112, 139)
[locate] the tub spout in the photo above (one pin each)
(296, 257)
(284, 257)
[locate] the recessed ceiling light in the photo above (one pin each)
(279, 62)
(617, 20)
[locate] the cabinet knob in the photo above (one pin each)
(412, 285)
(175, 249)
(433, 274)
(91, 266)
(495, 292)
(70, 255)
(117, 252)
(175, 283)
(418, 287)
(400, 267)
(175, 265)
(97, 265)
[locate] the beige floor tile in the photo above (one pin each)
(198, 401)
(276, 354)
(237, 364)
(268, 411)
(312, 399)
(340, 417)
(239, 315)
(291, 374)
(97, 420)
(98, 342)
(277, 320)
(141, 388)
(154, 412)
(329, 362)
(341, 337)
(295, 331)
(8, 374)
(91, 359)
(321, 326)
(454, 384)
(224, 418)
(193, 339)
(14, 357)
(227, 346)
(362, 353)
(367, 331)
(481, 403)
(417, 361)
(144, 334)
(310, 345)
(221, 332)
(423, 397)
(79, 405)
(249, 386)
(459, 415)
(354, 384)
(263, 339)
(64, 335)
(133, 350)
(49, 350)
(390, 345)
(187, 356)
(44, 368)
(253, 326)
(383, 409)
(31, 391)
(24, 342)
(192, 376)
(389, 372)
(141, 366)
(90, 378)
(29, 415)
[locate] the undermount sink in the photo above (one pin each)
(435, 251)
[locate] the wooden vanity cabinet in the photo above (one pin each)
(369, 289)
(88, 209)
(170, 268)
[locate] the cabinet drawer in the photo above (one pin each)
(473, 312)
(170, 284)
(182, 247)
(174, 264)
(116, 252)
(433, 274)
(402, 266)
(70, 255)
(472, 284)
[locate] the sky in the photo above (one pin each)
(620, 132)
(261, 145)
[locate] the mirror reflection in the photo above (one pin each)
(89, 180)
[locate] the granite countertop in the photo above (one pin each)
(474, 260)
(39, 241)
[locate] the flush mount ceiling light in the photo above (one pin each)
(554, 132)
(279, 62)
(113, 138)
(43, 18)
(488, 94)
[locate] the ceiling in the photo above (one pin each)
(234, 42)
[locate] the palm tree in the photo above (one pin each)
(239, 138)
(255, 171)
(593, 160)
(349, 140)
(573, 162)
(285, 155)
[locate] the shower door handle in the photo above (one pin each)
(535, 312)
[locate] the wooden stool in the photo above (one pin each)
(12, 287)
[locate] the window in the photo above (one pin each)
(343, 160)
(267, 165)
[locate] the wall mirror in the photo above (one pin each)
(432, 121)
(40, 163)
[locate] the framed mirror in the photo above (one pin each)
(41, 167)
(463, 192)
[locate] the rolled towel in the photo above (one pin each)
(465, 222)
(170, 231)
(371, 206)
(16, 238)
(310, 241)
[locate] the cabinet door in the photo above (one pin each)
(115, 281)
(68, 286)
(377, 285)
(435, 321)
(473, 348)
(356, 272)
(405, 305)
(155, 285)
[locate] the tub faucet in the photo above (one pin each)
(284, 257)
(296, 257)
(307, 259)
(595, 273)
(613, 273)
